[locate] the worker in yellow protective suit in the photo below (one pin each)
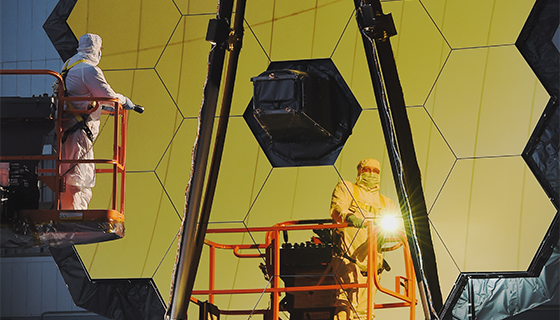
(358, 204)
(83, 78)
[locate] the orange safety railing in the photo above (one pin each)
(52, 177)
(272, 238)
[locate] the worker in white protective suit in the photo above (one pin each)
(359, 204)
(83, 78)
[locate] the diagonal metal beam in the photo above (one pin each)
(197, 213)
(376, 29)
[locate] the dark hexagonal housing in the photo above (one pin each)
(302, 112)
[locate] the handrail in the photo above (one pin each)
(118, 161)
(407, 298)
(31, 71)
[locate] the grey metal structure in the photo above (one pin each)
(193, 228)
(376, 29)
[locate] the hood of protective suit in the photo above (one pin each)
(89, 48)
(369, 180)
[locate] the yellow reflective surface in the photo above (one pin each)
(472, 104)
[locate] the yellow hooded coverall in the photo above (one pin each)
(356, 203)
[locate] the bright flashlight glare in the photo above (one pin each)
(389, 223)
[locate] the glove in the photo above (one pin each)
(108, 108)
(355, 221)
(128, 105)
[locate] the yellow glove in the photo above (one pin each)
(355, 221)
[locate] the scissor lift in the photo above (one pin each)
(325, 285)
(53, 226)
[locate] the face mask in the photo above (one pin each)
(370, 180)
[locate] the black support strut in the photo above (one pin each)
(376, 29)
(197, 213)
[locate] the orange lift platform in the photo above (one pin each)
(29, 225)
(309, 283)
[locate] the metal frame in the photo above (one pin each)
(397, 135)
(52, 177)
(197, 207)
(273, 238)
(376, 29)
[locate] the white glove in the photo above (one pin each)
(128, 105)
(108, 108)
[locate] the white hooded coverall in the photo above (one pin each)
(84, 79)
(364, 201)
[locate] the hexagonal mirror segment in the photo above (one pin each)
(302, 112)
